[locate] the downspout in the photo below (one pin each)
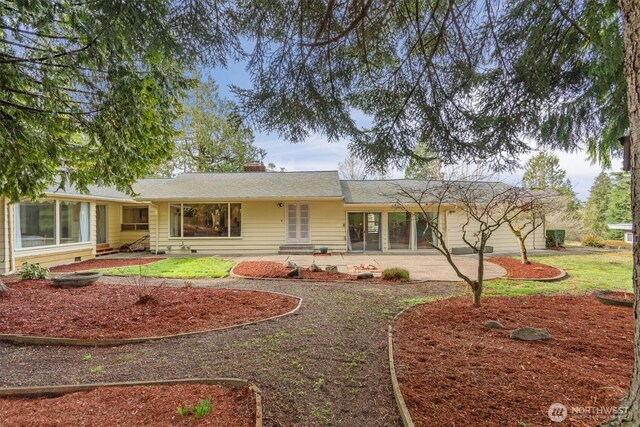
(10, 232)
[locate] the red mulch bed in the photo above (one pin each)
(275, 270)
(94, 264)
(456, 372)
(128, 406)
(517, 270)
(99, 311)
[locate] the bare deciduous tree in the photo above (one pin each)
(485, 206)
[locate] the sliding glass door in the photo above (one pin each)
(364, 231)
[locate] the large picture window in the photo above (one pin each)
(207, 220)
(50, 223)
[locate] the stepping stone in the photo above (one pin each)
(314, 268)
(294, 273)
(530, 334)
(331, 269)
(493, 324)
(365, 276)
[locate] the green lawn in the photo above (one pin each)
(587, 272)
(179, 268)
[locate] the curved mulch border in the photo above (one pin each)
(561, 276)
(52, 391)
(604, 299)
(38, 340)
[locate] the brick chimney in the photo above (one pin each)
(255, 167)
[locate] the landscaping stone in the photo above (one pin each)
(530, 334)
(493, 324)
(4, 290)
(331, 269)
(314, 268)
(294, 273)
(290, 264)
(365, 276)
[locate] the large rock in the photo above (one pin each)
(314, 268)
(365, 276)
(493, 324)
(331, 269)
(289, 264)
(4, 290)
(530, 334)
(294, 273)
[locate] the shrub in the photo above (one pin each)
(395, 274)
(592, 240)
(555, 238)
(198, 411)
(33, 271)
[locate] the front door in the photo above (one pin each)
(298, 223)
(101, 224)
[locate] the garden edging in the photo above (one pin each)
(562, 275)
(40, 340)
(49, 391)
(397, 393)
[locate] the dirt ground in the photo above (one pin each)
(100, 311)
(457, 372)
(134, 406)
(325, 365)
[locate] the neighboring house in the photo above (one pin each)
(225, 214)
(627, 228)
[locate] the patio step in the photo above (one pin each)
(296, 249)
(105, 249)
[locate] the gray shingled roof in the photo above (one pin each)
(389, 191)
(94, 193)
(241, 185)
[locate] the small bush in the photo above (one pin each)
(592, 241)
(33, 271)
(395, 274)
(198, 411)
(555, 238)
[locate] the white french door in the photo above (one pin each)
(298, 223)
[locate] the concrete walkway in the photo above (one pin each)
(420, 266)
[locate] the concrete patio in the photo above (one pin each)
(421, 267)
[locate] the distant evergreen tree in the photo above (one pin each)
(543, 172)
(619, 207)
(426, 164)
(595, 212)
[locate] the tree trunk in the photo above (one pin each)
(524, 258)
(477, 293)
(477, 288)
(631, 16)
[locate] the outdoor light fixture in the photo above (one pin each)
(626, 152)
(280, 204)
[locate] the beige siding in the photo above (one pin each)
(502, 239)
(56, 256)
(263, 229)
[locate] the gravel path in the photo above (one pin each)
(325, 365)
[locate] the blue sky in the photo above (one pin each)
(317, 154)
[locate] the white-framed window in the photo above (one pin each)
(205, 220)
(51, 223)
(134, 218)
